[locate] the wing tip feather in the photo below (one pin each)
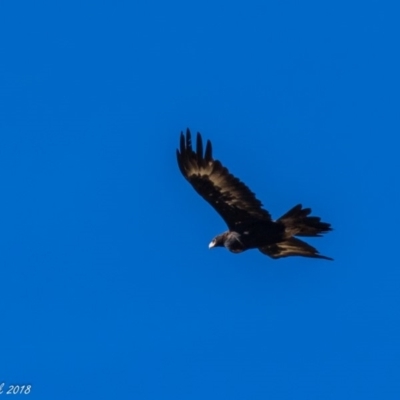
(199, 147)
(208, 153)
(188, 140)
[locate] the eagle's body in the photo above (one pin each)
(250, 236)
(250, 226)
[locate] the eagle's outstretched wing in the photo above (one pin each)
(230, 197)
(291, 247)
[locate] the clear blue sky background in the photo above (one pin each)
(108, 289)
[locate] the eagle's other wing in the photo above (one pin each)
(230, 197)
(291, 247)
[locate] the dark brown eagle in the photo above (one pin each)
(250, 226)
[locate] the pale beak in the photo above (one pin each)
(211, 245)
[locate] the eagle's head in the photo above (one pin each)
(218, 241)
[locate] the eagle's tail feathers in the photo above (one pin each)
(298, 223)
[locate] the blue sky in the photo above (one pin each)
(108, 289)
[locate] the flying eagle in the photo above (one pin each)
(249, 225)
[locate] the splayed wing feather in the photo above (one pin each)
(199, 147)
(208, 154)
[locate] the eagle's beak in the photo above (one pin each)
(211, 245)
